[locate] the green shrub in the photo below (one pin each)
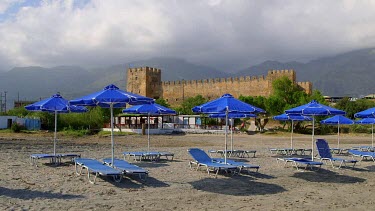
(75, 133)
(359, 129)
(108, 133)
(16, 128)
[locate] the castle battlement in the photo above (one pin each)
(304, 83)
(146, 69)
(147, 81)
(280, 71)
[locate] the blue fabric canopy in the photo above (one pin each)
(149, 109)
(338, 120)
(314, 108)
(292, 118)
(295, 117)
(111, 97)
(368, 121)
(232, 115)
(55, 104)
(368, 113)
(152, 109)
(226, 104)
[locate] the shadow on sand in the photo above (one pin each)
(134, 182)
(32, 194)
(236, 186)
(327, 176)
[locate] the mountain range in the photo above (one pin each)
(347, 74)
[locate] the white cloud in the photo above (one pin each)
(222, 33)
(5, 4)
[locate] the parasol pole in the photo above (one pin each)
(112, 141)
(54, 136)
(338, 135)
(312, 139)
(148, 132)
(291, 136)
(226, 135)
(231, 135)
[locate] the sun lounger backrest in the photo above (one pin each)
(199, 155)
(323, 148)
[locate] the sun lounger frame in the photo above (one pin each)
(206, 161)
(240, 165)
(132, 170)
(53, 159)
(325, 154)
(93, 167)
(364, 155)
(234, 153)
(298, 162)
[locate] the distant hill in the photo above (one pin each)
(348, 74)
(33, 83)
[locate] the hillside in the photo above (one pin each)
(348, 74)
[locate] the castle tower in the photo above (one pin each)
(145, 81)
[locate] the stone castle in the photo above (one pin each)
(146, 81)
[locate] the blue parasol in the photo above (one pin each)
(368, 121)
(338, 120)
(55, 104)
(313, 109)
(292, 118)
(368, 113)
(111, 97)
(226, 104)
(149, 109)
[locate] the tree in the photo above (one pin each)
(258, 101)
(285, 90)
(352, 107)
(19, 112)
(189, 103)
(162, 102)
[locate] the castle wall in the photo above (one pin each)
(147, 81)
(307, 86)
(176, 91)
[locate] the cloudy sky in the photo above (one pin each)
(228, 35)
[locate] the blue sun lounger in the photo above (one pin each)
(240, 165)
(325, 154)
(167, 155)
(139, 156)
(53, 159)
(200, 158)
(127, 168)
(96, 168)
(234, 153)
(364, 155)
(298, 162)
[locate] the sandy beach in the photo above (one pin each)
(172, 185)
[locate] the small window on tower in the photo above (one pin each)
(176, 99)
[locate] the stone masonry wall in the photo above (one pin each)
(147, 82)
